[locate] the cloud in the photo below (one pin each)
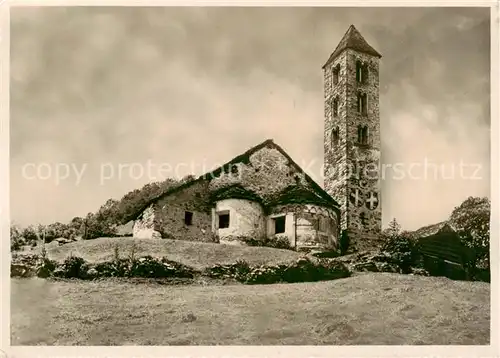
(91, 86)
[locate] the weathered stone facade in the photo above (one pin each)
(352, 157)
(266, 172)
(144, 226)
(252, 189)
(247, 219)
(308, 225)
(171, 211)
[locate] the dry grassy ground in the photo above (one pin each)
(194, 254)
(372, 308)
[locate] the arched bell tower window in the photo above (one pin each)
(364, 137)
(363, 134)
(362, 105)
(335, 136)
(335, 107)
(361, 72)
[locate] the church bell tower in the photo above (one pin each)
(352, 136)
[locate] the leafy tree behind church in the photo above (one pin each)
(471, 220)
(115, 212)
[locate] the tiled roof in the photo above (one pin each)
(433, 229)
(441, 240)
(236, 191)
(297, 194)
(353, 40)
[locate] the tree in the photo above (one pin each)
(400, 245)
(471, 220)
(138, 199)
(16, 239)
(394, 229)
(30, 234)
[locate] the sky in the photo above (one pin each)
(104, 100)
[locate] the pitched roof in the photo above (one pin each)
(442, 241)
(298, 194)
(235, 191)
(354, 40)
(242, 158)
(425, 231)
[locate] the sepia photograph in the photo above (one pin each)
(250, 176)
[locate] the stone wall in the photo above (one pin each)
(351, 168)
(316, 226)
(144, 226)
(266, 173)
(246, 220)
(170, 214)
(335, 154)
(364, 221)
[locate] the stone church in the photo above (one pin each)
(264, 193)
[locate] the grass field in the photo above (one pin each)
(194, 254)
(371, 308)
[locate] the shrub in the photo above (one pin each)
(303, 270)
(46, 268)
(74, 267)
(279, 242)
(237, 271)
(147, 267)
(265, 274)
(276, 242)
(115, 268)
(402, 249)
(150, 267)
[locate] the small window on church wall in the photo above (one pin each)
(188, 218)
(279, 224)
(335, 107)
(223, 220)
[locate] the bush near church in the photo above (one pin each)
(303, 270)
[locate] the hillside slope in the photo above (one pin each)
(194, 254)
(372, 309)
